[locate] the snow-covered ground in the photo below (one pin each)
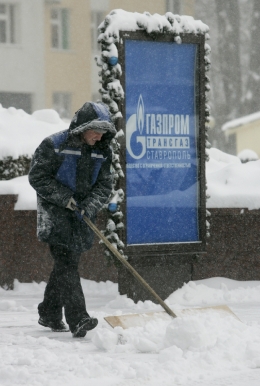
(196, 350)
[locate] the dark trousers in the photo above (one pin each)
(64, 289)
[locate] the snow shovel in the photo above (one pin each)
(133, 320)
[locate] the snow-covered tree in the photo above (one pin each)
(252, 95)
(228, 17)
(235, 71)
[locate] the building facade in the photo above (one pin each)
(48, 49)
(244, 133)
(22, 55)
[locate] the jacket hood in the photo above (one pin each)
(93, 116)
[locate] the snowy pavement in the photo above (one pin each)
(195, 350)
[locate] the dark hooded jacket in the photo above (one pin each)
(64, 167)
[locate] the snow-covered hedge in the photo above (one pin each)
(11, 168)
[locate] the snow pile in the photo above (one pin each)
(232, 184)
(103, 288)
(21, 187)
(120, 20)
(21, 133)
(34, 289)
(247, 155)
(192, 347)
(195, 349)
(215, 291)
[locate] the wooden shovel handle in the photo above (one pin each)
(128, 266)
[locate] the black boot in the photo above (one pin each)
(84, 325)
(56, 325)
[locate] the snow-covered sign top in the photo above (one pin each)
(120, 20)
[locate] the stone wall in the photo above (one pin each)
(24, 258)
(233, 251)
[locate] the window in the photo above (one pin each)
(17, 100)
(96, 19)
(7, 23)
(61, 102)
(173, 6)
(60, 28)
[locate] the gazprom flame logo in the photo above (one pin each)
(134, 124)
(140, 115)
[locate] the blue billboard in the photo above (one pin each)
(162, 200)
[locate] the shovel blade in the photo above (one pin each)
(139, 320)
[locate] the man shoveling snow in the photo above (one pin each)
(71, 170)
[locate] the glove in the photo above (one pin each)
(79, 213)
(73, 205)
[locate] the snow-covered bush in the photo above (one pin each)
(11, 168)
